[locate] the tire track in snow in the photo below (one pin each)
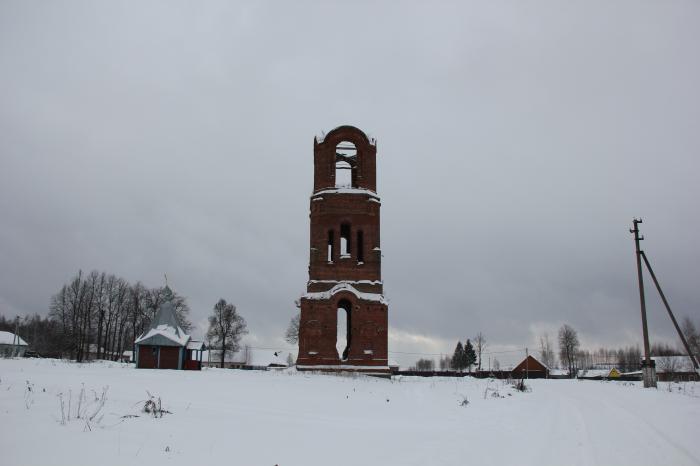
(611, 420)
(566, 424)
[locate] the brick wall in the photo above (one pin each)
(354, 215)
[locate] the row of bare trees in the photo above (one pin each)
(572, 357)
(100, 315)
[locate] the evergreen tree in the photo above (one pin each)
(458, 357)
(469, 355)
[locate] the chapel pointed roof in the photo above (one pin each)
(165, 325)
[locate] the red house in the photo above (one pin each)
(530, 368)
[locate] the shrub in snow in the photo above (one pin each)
(153, 406)
(494, 393)
(29, 395)
(87, 411)
(520, 386)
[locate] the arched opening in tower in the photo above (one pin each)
(343, 337)
(345, 158)
(344, 240)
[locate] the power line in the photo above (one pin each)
(443, 354)
(414, 353)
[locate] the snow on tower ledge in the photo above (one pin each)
(345, 286)
(319, 138)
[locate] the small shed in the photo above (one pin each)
(12, 345)
(165, 345)
(559, 374)
(530, 368)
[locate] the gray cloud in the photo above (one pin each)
(516, 142)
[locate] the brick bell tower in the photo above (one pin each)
(345, 280)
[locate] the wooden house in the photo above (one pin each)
(675, 368)
(12, 345)
(530, 368)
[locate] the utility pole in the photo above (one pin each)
(15, 337)
(648, 367)
(527, 364)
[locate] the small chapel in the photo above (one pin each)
(165, 345)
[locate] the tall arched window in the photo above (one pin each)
(331, 244)
(360, 247)
(345, 158)
(344, 241)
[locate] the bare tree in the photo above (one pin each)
(668, 364)
(629, 359)
(156, 296)
(99, 315)
(479, 347)
(546, 351)
(496, 365)
(425, 365)
(568, 347)
(664, 349)
(691, 335)
(226, 327)
(584, 360)
(246, 354)
(292, 334)
(136, 312)
(445, 363)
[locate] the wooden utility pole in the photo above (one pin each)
(15, 337)
(648, 368)
(527, 364)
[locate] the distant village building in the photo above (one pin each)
(247, 358)
(95, 352)
(165, 345)
(599, 374)
(12, 345)
(559, 374)
(530, 368)
(675, 368)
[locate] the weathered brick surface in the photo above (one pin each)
(359, 210)
(365, 177)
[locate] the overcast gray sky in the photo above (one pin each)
(516, 141)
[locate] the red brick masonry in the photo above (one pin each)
(350, 281)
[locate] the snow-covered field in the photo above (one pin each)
(288, 418)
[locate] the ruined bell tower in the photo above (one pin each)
(345, 280)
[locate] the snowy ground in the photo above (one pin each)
(287, 418)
